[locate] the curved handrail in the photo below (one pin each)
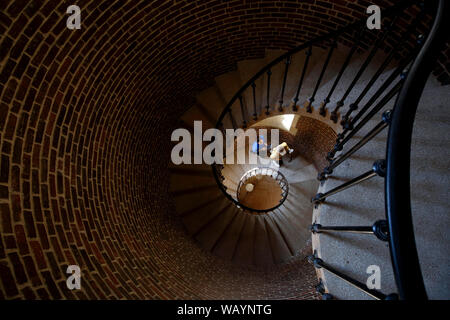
(405, 260)
(386, 13)
(280, 178)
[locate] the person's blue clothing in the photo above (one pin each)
(258, 143)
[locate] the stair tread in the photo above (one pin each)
(262, 252)
(188, 201)
(279, 247)
(227, 245)
(244, 249)
(179, 182)
(211, 233)
(194, 221)
(295, 240)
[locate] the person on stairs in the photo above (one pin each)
(260, 146)
(279, 151)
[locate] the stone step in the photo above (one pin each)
(245, 247)
(262, 253)
(199, 218)
(226, 247)
(279, 247)
(209, 236)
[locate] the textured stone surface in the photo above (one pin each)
(85, 118)
(363, 204)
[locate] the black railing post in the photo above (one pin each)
(378, 229)
(369, 136)
(403, 41)
(340, 143)
(269, 73)
(308, 53)
(363, 67)
(286, 69)
(402, 244)
(378, 168)
(342, 70)
(320, 289)
(319, 263)
(255, 114)
(322, 73)
(233, 122)
(243, 112)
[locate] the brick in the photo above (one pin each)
(4, 192)
(5, 218)
(79, 112)
(19, 271)
(7, 280)
(38, 254)
(21, 239)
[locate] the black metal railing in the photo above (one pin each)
(265, 171)
(237, 114)
(398, 227)
(418, 44)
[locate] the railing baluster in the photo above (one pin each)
(286, 69)
(322, 73)
(348, 125)
(244, 115)
(336, 162)
(300, 83)
(342, 70)
(233, 122)
(361, 70)
(321, 290)
(340, 145)
(255, 114)
(269, 73)
(378, 229)
(318, 263)
(378, 168)
(404, 39)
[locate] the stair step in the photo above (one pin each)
(293, 238)
(200, 217)
(187, 201)
(244, 250)
(227, 245)
(247, 69)
(189, 168)
(196, 114)
(276, 79)
(180, 182)
(228, 84)
(212, 100)
(212, 233)
(263, 251)
(279, 247)
(300, 175)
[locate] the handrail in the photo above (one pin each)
(280, 178)
(404, 256)
(267, 69)
(386, 13)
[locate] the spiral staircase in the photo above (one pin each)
(354, 95)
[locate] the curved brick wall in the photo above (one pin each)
(313, 140)
(85, 117)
